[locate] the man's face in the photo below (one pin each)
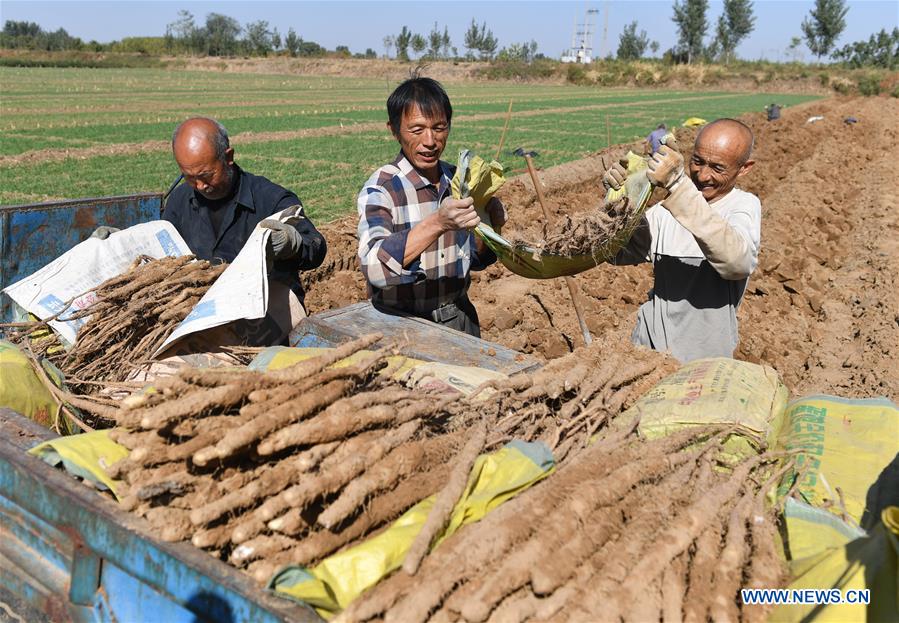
(422, 138)
(207, 174)
(716, 164)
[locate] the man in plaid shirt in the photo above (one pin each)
(416, 243)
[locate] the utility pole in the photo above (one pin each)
(604, 50)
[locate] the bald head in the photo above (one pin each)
(203, 153)
(201, 133)
(729, 134)
(721, 154)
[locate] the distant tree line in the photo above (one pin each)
(478, 41)
(820, 30)
(881, 50)
(30, 36)
(221, 35)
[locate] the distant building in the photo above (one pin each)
(581, 50)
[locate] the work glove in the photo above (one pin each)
(103, 232)
(285, 241)
(613, 179)
(666, 166)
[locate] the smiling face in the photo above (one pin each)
(423, 139)
(720, 156)
(203, 169)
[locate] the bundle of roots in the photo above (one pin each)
(130, 318)
(570, 399)
(629, 529)
(265, 469)
(587, 232)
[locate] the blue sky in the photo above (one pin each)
(363, 24)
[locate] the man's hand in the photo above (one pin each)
(497, 213)
(613, 179)
(103, 232)
(455, 214)
(666, 167)
(285, 240)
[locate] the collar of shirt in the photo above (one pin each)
(418, 181)
(243, 196)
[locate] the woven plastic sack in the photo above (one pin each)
(426, 375)
(843, 447)
(22, 391)
(829, 554)
(87, 456)
(716, 390)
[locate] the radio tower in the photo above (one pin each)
(581, 50)
(604, 49)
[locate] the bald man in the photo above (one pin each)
(703, 242)
(220, 204)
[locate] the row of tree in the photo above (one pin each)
(820, 29)
(30, 36)
(221, 35)
(479, 43)
(880, 50)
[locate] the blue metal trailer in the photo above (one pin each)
(67, 553)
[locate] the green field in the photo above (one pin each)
(69, 133)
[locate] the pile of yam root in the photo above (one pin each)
(129, 318)
(264, 469)
(629, 529)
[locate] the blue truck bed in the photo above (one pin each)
(67, 553)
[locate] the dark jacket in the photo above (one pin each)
(255, 199)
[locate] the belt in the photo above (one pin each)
(445, 313)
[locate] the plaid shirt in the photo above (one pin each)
(395, 199)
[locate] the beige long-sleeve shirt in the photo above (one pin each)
(702, 256)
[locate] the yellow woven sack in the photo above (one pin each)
(844, 558)
(87, 456)
(842, 444)
(534, 263)
(22, 391)
(717, 390)
(413, 372)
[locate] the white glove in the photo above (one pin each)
(613, 179)
(103, 232)
(666, 166)
(285, 240)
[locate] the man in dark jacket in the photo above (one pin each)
(220, 204)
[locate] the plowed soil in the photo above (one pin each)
(822, 307)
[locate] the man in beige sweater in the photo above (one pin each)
(703, 241)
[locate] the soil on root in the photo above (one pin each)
(585, 233)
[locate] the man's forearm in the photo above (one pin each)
(421, 236)
(724, 247)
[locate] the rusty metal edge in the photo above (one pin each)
(52, 205)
